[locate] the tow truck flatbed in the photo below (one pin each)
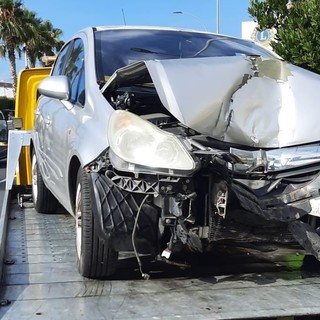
(41, 280)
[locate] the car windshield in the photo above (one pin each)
(118, 48)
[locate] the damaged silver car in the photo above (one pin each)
(161, 140)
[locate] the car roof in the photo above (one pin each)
(155, 28)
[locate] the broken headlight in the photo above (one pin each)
(276, 159)
(138, 145)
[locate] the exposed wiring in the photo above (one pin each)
(145, 276)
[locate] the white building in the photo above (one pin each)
(6, 89)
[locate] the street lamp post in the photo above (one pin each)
(218, 16)
(24, 49)
(193, 16)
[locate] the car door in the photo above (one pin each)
(43, 119)
(61, 122)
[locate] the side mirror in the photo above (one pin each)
(56, 87)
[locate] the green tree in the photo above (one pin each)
(30, 41)
(12, 30)
(46, 42)
(52, 42)
(22, 29)
(297, 29)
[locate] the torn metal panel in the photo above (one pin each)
(240, 99)
(198, 91)
(275, 107)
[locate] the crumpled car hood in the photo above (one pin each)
(246, 100)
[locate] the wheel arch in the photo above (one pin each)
(72, 178)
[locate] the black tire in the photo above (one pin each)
(44, 201)
(95, 258)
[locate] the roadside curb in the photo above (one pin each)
(3, 229)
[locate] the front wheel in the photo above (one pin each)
(95, 258)
(44, 201)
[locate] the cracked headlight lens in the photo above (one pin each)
(138, 142)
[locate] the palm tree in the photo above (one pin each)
(53, 37)
(21, 28)
(31, 38)
(12, 30)
(46, 42)
(51, 42)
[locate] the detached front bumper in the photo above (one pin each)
(291, 204)
(285, 203)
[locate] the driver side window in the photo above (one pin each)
(70, 62)
(74, 70)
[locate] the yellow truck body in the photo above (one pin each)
(26, 99)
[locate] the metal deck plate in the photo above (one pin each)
(44, 282)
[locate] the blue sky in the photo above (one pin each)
(73, 15)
